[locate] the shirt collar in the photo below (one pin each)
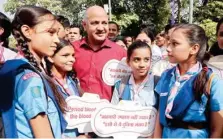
(144, 83)
(192, 71)
(107, 43)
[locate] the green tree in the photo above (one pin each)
(212, 10)
(207, 16)
(209, 27)
(54, 6)
(128, 13)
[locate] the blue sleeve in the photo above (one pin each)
(159, 84)
(30, 94)
(216, 94)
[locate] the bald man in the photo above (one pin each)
(94, 51)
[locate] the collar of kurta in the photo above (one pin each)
(146, 81)
(106, 44)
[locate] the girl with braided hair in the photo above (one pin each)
(37, 105)
(60, 68)
(190, 95)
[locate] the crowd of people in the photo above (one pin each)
(54, 60)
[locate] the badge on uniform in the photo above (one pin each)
(29, 75)
(36, 93)
(163, 94)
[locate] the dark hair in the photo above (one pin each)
(168, 27)
(125, 37)
(31, 16)
(49, 65)
(149, 33)
(113, 22)
(63, 21)
(5, 23)
(74, 25)
(125, 41)
(218, 25)
(136, 45)
(196, 35)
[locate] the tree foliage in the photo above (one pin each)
(54, 6)
(207, 16)
(212, 10)
(128, 13)
(209, 27)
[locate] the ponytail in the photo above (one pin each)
(200, 82)
(196, 35)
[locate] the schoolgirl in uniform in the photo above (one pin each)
(191, 99)
(37, 107)
(139, 86)
(60, 68)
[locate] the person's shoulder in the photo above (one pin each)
(168, 72)
(28, 74)
(156, 50)
(116, 48)
(113, 45)
(77, 43)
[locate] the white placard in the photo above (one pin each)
(123, 121)
(80, 110)
(115, 70)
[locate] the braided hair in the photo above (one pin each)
(30, 16)
(196, 35)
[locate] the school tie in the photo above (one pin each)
(179, 81)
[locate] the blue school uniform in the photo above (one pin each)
(146, 96)
(185, 108)
(74, 90)
(32, 96)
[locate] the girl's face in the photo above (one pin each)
(220, 36)
(160, 40)
(44, 37)
(64, 59)
(179, 49)
(144, 38)
(139, 62)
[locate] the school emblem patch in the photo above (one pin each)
(29, 75)
(36, 93)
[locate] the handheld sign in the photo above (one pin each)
(80, 110)
(115, 70)
(124, 121)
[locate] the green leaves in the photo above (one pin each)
(125, 12)
(210, 28)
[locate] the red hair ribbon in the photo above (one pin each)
(205, 69)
